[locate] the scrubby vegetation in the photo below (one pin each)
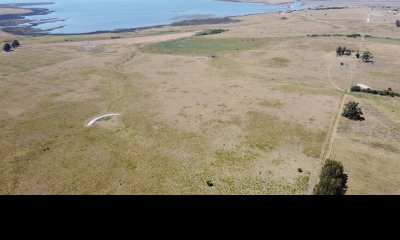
(352, 111)
(367, 57)
(343, 51)
(8, 46)
(354, 35)
(388, 92)
(210, 32)
(333, 180)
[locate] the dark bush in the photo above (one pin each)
(355, 89)
(7, 47)
(210, 184)
(367, 57)
(15, 44)
(352, 111)
(333, 180)
(354, 35)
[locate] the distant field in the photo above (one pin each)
(253, 119)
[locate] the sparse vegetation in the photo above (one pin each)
(333, 180)
(210, 32)
(352, 111)
(354, 35)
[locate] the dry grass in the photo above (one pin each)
(245, 120)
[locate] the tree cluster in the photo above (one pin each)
(340, 51)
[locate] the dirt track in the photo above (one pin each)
(134, 40)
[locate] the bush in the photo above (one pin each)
(333, 180)
(7, 47)
(352, 111)
(210, 184)
(15, 44)
(398, 23)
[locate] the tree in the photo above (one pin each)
(367, 57)
(352, 111)
(398, 23)
(15, 44)
(333, 180)
(7, 47)
(357, 55)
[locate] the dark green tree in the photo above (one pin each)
(7, 47)
(352, 111)
(333, 180)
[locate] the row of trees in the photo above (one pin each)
(343, 51)
(8, 46)
(388, 92)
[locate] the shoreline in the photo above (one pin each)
(9, 23)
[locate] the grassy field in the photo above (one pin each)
(246, 120)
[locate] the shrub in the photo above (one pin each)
(7, 47)
(210, 184)
(352, 111)
(367, 57)
(15, 44)
(354, 35)
(333, 180)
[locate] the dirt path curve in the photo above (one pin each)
(101, 117)
(133, 40)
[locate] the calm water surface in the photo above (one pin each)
(83, 16)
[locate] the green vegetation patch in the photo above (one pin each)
(266, 133)
(211, 32)
(203, 46)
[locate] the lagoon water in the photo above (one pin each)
(84, 16)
